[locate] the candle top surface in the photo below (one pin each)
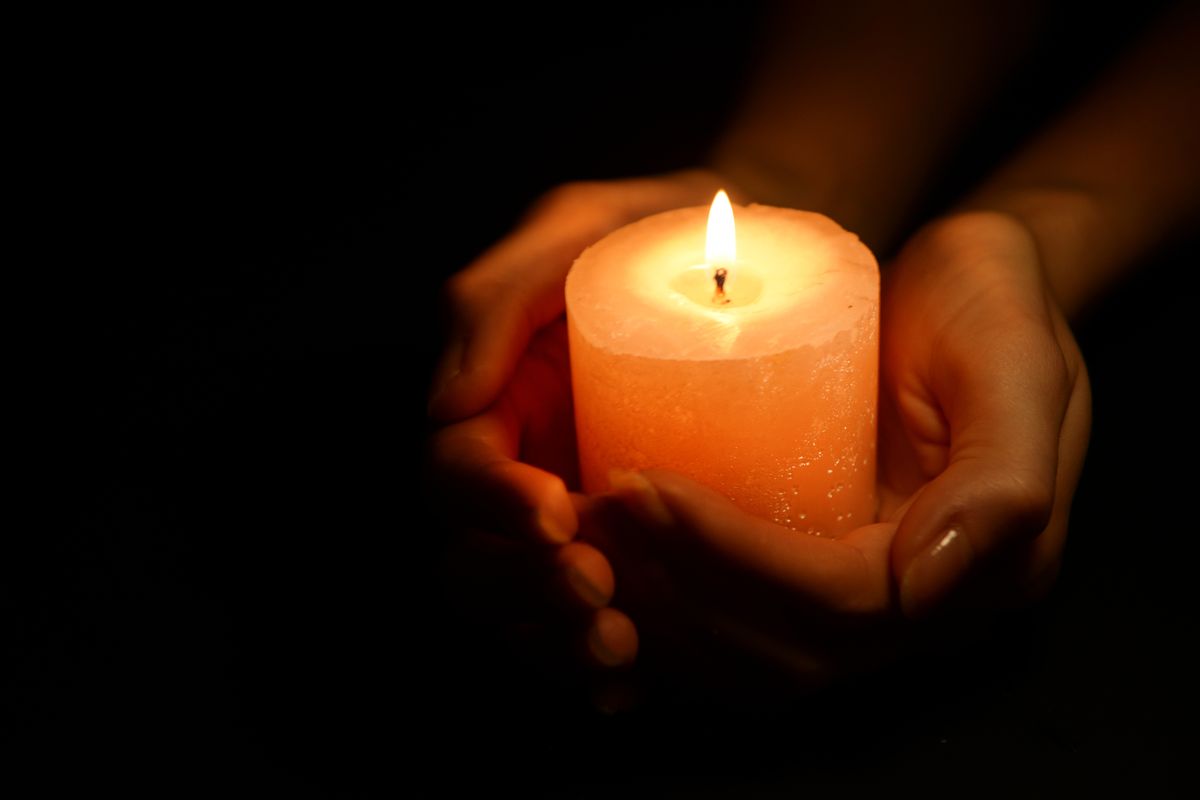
(646, 289)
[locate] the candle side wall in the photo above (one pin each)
(788, 436)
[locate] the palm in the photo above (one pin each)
(983, 424)
(980, 382)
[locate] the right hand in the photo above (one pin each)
(504, 458)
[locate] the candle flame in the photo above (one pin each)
(720, 245)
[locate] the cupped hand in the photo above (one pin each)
(984, 421)
(986, 418)
(504, 457)
(513, 290)
(501, 478)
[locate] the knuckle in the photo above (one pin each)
(978, 233)
(575, 192)
(566, 195)
(469, 292)
(445, 453)
(862, 603)
(458, 291)
(1036, 346)
(571, 198)
(1027, 501)
(1028, 353)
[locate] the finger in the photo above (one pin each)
(1004, 399)
(495, 309)
(848, 575)
(585, 578)
(725, 636)
(544, 601)
(1045, 556)
(540, 397)
(611, 640)
(602, 638)
(498, 303)
(481, 484)
(501, 300)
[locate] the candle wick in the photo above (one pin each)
(719, 278)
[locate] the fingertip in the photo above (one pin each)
(484, 488)
(968, 517)
(555, 520)
(585, 589)
(934, 573)
(459, 395)
(612, 639)
(588, 574)
(640, 496)
(525, 502)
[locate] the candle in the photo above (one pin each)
(746, 359)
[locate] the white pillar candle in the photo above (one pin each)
(764, 389)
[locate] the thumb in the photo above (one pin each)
(689, 520)
(1005, 410)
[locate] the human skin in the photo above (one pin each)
(983, 432)
(984, 413)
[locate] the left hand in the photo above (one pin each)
(503, 459)
(984, 420)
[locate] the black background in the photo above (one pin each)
(244, 589)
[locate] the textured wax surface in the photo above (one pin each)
(814, 280)
(786, 428)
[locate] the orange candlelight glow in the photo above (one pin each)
(778, 371)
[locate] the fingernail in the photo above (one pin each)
(586, 590)
(933, 573)
(552, 530)
(599, 649)
(640, 496)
